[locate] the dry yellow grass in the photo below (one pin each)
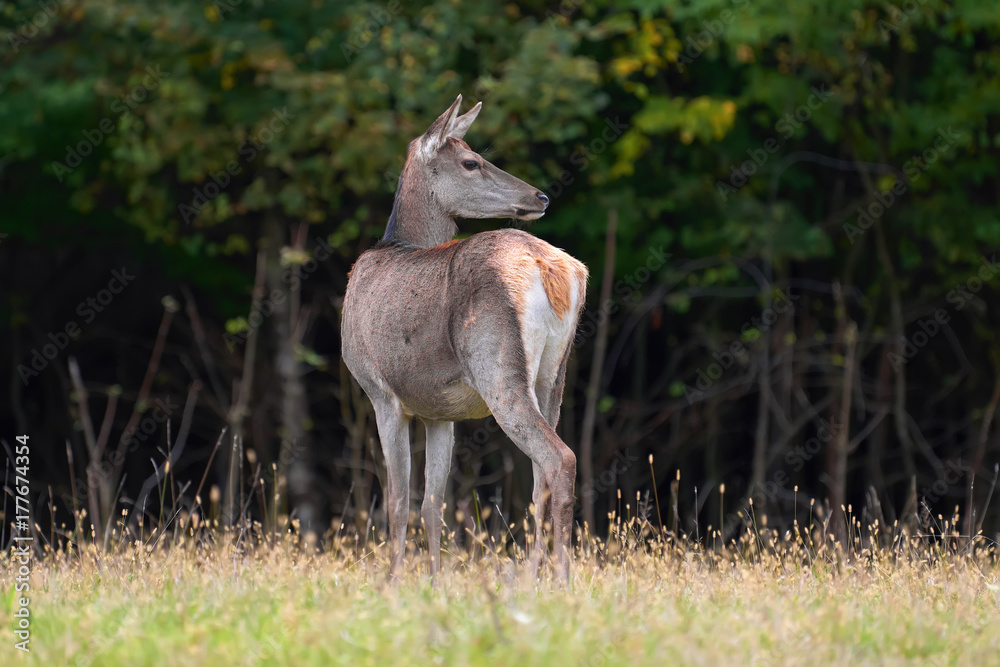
(767, 599)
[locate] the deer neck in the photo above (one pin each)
(417, 217)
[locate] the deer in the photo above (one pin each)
(444, 330)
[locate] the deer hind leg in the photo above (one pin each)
(509, 357)
(549, 386)
(554, 467)
(504, 386)
(549, 391)
(394, 432)
(440, 443)
(541, 499)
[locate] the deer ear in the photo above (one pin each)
(464, 122)
(434, 137)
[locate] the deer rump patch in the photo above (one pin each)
(559, 271)
(556, 281)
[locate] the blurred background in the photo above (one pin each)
(789, 211)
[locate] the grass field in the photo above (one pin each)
(766, 599)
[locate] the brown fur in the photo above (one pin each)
(556, 280)
(558, 269)
(446, 244)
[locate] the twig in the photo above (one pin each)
(249, 353)
(204, 476)
(169, 308)
(977, 460)
(202, 341)
(175, 452)
(239, 410)
(109, 418)
(88, 434)
(81, 401)
(989, 497)
(600, 350)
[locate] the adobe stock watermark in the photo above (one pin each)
(797, 457)
(751, 330)
(223, 7)
(739, 175)
(247, 152)
(929, 328)
(566, 9)
(475, 442)
(606, 656)
(581, 158)
(270, 649)
(914, 168)
(59, 340)
(278, 296)
(625, 289)
(363, 34)
(29, 27)
(900, 16)
(147, 426)
(605, 481)
(697, 44)
(121, 106)
(932, 326)
(963, 293)
(954, 473)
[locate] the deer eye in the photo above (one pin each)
(470, 164)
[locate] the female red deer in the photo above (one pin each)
(446, 330)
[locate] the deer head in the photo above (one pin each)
(444, 179)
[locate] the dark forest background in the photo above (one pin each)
(789, 211)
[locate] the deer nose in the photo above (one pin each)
(542, 197)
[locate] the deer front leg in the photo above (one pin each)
(394, 432)
(440, 442)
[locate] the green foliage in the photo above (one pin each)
(757, 132)
(698, 84)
